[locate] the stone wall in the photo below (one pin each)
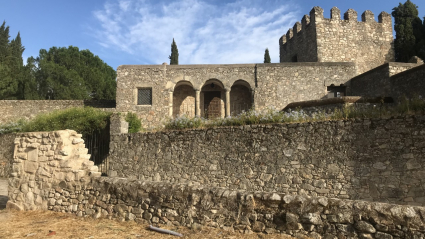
(6, 154)
(271, 85)
(27, 109)
(51, 171)
(196, 206)
(410, 83)
(378, 160)
(383, 80)
(43, 161)
(367, 43)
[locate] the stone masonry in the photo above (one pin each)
(180, 89)
(378, 160)
(317, 39)
(43, 161)
(51, 172)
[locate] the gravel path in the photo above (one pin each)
(3, 192)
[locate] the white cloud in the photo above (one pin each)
(236, 32)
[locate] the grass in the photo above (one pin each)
(416, 105)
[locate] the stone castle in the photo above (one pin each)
(319, 59)
(356, 178)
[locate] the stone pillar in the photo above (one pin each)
(170, 104)
(252, 99)
(197, 103)
(227, 102)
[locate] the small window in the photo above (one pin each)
(294, 58)
(144, 96)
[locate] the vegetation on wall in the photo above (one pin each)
(84, 120)
(416, 105)
(410, 32)
(134, 124)
(59, 74)
(174, 57)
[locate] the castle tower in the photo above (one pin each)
(368, 43)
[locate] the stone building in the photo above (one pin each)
(319, 57)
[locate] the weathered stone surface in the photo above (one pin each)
(14, 206)
(363, 226)
(331, 171)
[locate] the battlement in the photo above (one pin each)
(336, 39)
(350, 16)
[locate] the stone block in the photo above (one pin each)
(30, 167)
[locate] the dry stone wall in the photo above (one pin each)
(27, 109)
(376, 160)
(51, 171)
(196, 206)
(43, 161)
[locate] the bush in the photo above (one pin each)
(83, 120)
(134, 124)
(184, 122)
(11, 127)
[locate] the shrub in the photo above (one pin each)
(134, 124)
(184, 122)
(11, 127)
(83, 120)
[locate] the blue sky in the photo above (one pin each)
(141, 31)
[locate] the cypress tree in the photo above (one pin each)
(9, 64)
(267, 56)
(174, 57)
(408, 31)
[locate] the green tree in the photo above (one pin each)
(174, 57)
(10, 63)
(408, 28)
(267, 56)
(68, 73)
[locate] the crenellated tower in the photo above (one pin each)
(368, 43)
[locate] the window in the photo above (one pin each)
(144, 96)
(336, 91)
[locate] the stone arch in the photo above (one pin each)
(212, 98)
(183, 99)
(240, 97)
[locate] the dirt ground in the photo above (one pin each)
(47, 224)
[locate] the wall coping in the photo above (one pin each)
(284, 64)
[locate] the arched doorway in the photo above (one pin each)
(184, 99)
(212, 94)
(240, 97)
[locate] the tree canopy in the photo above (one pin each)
(267, 56)
(174, 57)
(60, 73)
(68, 73)
(410, 32)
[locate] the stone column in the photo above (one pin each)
(197, 103)
(170, 104)
(227, 102)
(252, 99)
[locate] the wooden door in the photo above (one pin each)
(212, 104)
